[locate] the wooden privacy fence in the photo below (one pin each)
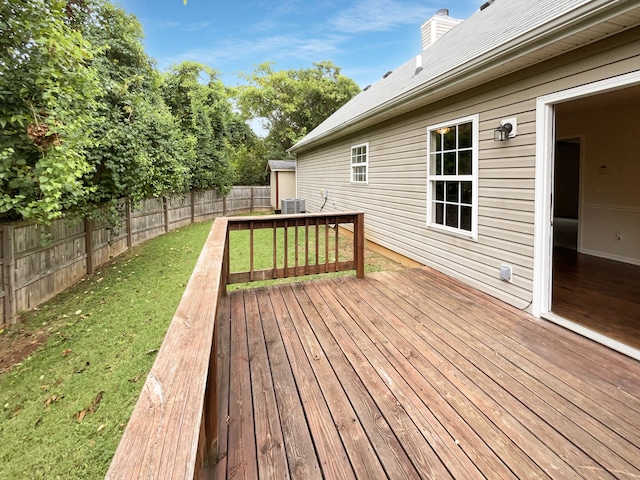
(173, 431)
(39, 261)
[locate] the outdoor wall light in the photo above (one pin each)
(507, 129)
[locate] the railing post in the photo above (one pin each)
(358, 244)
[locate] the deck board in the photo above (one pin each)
(411, 374)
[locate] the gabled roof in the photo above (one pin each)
(505, 36)
(282, 165)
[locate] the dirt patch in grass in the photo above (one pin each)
(17, 342)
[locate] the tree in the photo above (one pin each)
(48, 90)
(138, 153)
(83, 120)
(200, 103)
(248, 154)
(293, 102)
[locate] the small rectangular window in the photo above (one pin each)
(360, 163)
(452, 176)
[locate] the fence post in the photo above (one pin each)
(165, 205)
(9, 277)
(224, 206)
(88, 241)
(193, 207)
(128, 222)
(252, 199)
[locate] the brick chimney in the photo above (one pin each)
(437, 26)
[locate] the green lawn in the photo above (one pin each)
(65, 407)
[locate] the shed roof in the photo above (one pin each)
(280, 165)
(503, 37)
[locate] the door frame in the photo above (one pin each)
(543, 230)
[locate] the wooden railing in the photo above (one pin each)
(308, 244)
(172, 432)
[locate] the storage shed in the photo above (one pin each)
(282, 180)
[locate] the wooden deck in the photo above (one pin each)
(410, 374)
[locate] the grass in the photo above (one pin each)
(64, 408)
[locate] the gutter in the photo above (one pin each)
(577, 20)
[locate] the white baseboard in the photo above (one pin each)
(611, 256)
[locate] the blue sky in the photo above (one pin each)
(366, 38)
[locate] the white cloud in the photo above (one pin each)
(180, 26)
(275, 48)
(381, 15)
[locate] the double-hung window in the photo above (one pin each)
(452, 176)
(360, 163)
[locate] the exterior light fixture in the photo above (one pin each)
(507, 129)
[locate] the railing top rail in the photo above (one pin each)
(163, 436)
(270, 218)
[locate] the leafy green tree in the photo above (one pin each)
(293, 102)
(200, 103)
(138, 153)
(82, 115)
(48, 92)
(248, 154)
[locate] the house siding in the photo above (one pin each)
(395, 199)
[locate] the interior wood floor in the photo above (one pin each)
(410, 374)
(600, 294)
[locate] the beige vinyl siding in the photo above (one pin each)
(395, 200)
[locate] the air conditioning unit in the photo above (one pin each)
(292, 205)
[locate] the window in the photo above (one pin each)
(360, 163)
(452, 176)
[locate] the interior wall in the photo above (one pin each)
(610, 209)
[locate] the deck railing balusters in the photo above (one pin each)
(289, 264)
(296, 248)
(275, 249)
(306, 246)
(286, 248)
(337, 245)
(326, 244)
(317, 242)
(251, 250)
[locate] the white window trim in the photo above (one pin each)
(475, 129)
(364, 164)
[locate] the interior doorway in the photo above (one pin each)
(566, 194)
